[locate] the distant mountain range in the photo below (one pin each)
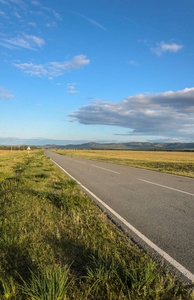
(127, 146)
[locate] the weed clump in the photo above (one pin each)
(49, 283)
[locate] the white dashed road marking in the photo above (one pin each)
(167, 187)
(105, 169)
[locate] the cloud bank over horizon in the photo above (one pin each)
(169, 113)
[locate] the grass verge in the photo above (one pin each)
(56, 244)
(178, 163)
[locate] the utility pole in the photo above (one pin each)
(11, 145)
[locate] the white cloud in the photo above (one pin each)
(23, 11)
(53, 69)
(26, 41)
(57, 15)
(7, 45)
(132, 62)
(35, 40)
(73, 92)
(19, 2)
(33, 24)
(51, 24)
(77, 62)
(34, 2)
(47, 9)
(32, 69)
(163, 139)
(94, 22)
(71, 88)
(170, 113)
(4, 94)
(17, 15)
(9, 3)
(163, 47)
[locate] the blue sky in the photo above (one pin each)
(96, 70)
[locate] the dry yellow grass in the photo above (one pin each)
(164, 156)
(8, 152)
(180, 163)
(14, 152)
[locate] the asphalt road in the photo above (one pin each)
(157, 209)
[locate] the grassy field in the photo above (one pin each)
(8, 152)
(179, 163)
(56, 244)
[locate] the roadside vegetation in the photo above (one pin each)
(179, 163)
(56, 244)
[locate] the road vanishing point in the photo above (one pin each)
(156, 209)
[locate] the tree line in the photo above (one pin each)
(22, 147)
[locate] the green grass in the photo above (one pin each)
(49, 284)
(55, 243)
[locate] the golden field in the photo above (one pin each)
(180, 163)
(135, 155)
(16, 152)
(8, 152)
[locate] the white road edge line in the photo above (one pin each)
(105, 169)
(167, 187)
(171, 260)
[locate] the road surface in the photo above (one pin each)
(157, 209)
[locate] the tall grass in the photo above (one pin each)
(55, 243)
(49, 284)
